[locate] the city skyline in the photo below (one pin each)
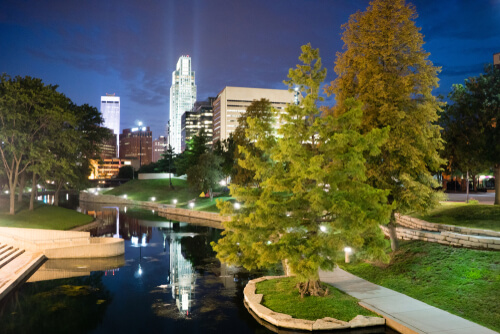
(130, 49)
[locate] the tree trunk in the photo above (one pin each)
(56, 194)
(211, 194)
(33, 192)
(286, 268)
(22, 184)
(12, 189)
(392, 232)
(311, 288)
(497, 184)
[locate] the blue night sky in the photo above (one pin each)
(93, 47)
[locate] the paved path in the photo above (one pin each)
(482, 198)
(403, 313)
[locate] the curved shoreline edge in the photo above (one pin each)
(254, 300)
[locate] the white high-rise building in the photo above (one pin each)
(182, 98)
(110, 110)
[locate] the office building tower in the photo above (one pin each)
(182, 98)
(110, 110)
(232, 102)
(137, 143)
(108, 147)
(160, 147)
(200, 117)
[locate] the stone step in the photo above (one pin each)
(7, 253)
(11, 257)
(4, 248)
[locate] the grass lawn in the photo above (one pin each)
(461, 281)
(280, 295)
(461, 214)
(143, 190)
(44, 216)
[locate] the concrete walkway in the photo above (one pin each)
(403, 313)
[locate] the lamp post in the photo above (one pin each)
(140, 145)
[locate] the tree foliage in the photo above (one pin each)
(385, 67)
(312, 198)
(195, 147)
(471, 126)
(258, 109)
(206, 173)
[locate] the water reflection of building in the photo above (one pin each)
(182, 276)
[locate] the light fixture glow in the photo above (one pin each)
(322, 228)
(237, 206)
(191, 205)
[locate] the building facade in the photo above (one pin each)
(200, 117)
(137, 143)
(232, 102)
(159, 147)
(107, 168)
(108, 147)
(182, 98)
(110, 110)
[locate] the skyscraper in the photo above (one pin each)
(182, 98)
(110, 110)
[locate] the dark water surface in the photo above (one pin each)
(168, 281)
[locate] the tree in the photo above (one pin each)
(385, 67)
(126, 172)
(28, 108)
(226, 150)
(312, 198)
(257, 109)
(206, 173)
(195, 147)
(471, 124)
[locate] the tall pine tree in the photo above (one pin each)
(312, 198)
(385, 67)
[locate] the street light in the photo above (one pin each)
(191, 205)
(347, 251)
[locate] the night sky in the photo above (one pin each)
(93, 47)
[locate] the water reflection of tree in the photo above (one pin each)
(75, 305)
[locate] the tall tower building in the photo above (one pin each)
(110, 110)
(182, 98)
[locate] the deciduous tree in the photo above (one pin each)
(385, 67)
(472, 124)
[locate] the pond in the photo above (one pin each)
(168, 281)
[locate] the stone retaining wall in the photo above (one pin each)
(445, 238)
(419, 224)
(254, 300)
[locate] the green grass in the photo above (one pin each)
(280, 295)
(460, 214)
(144, 190)
(43, 217)
(461, 281)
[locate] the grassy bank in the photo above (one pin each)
(461, 281)
(280, 295)
(460, 214)
(144, 190)
(43, 217)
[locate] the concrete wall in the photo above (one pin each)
(164, 210)
(61, 244)
(154, 176)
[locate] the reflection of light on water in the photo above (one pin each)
(134, 240)
(143, 240)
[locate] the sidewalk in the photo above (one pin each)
(403, 313)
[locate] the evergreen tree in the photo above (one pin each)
(385, 67)
(312, 198)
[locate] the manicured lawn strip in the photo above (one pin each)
(461, 281)
(143, 190)
(460, 214)
(44, 217)
(280, 295)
